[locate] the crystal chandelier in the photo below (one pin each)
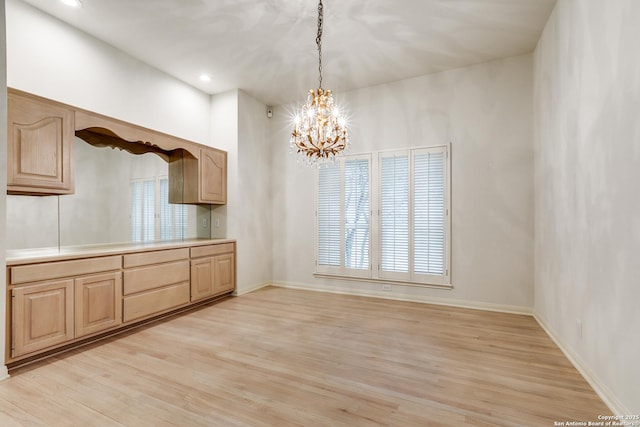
(320, 132)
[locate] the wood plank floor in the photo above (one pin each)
(281, 357)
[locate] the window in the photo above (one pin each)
(386, 219)
(343, 217)
(152, 217)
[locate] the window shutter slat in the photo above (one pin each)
(356, 214)
(329, 215)
(165, 210)
(428, 213)
(394, 214)
(136, 211)
(148, 210)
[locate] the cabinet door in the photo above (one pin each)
(224, 273)
(39, 144)
(42, 316)
(201, 278)
(213, 176)
(98, 303)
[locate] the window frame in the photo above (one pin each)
(342, 270)
(375, 273)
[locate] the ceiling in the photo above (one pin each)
(267, 47)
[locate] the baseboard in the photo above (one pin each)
(501, 308)
(607, 396)
(4, 373)
(251, 289)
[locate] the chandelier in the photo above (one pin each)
(320, 132)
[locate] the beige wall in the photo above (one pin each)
(587, 200)
(485, 111)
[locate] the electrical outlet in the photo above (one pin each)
(205, 223)
(386, 288)
(217, 223)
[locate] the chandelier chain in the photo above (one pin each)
(319, 42)
(320, 133)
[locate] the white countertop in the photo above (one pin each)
(30, 256)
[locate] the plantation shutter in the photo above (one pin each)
(165, 210)
(179, 221)
(329, 216)
(356, 214)
(429, 212)
(136, 211)
(173, 217)
(407, 194)
(394, 214)
(148, 210)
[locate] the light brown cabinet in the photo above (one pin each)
(212, 270)
(54, 303)
(40, 134)
(98, 303)
(198, 181)
(42, 316)
(155, 282)
(71, 298)
(213, 176)
(39, 145)
(201, 278)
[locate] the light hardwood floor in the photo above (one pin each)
(281, 357)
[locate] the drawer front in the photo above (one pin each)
(155, 276)
(155, 302)
(203, 251)
(155, 257)
(60, 269)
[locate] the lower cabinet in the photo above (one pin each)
(224, 271)
(212, 270)
(98, 304)
(42, 316)
(52, 313)
(57, 303)
(155, 282)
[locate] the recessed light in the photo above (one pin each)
(72, 3)
(205, 77)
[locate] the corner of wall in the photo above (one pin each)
(604, 392)
(3, 182)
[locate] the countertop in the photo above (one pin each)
(31, 256)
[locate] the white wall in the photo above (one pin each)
(224, 135)
(240, 126)
(485, 111)
(3, 184)
(254, 235)
(52, 59)
(587, 203)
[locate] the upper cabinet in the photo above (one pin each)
(39, 145)
(201, 180)
(213, 175)
(40, 158)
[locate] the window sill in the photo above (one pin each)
(382, 281)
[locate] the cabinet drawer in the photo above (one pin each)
(155, 302)
(57, 270)
(155, 276)
(155, 257)
(202, 251)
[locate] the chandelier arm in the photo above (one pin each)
(319, 41)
